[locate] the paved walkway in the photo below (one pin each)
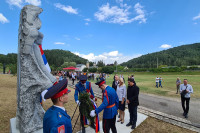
(121, 128)
(166, 105)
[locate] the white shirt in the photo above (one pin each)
(121, 92)
(60, 107)
(157, 79)
(188, 87)
(73, 76)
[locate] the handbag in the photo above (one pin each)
(184, 92)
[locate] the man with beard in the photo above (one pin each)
(133, 102)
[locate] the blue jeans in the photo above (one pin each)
(160, 84)
(133, 114)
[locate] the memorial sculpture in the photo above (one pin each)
(33, 77)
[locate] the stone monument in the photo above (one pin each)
(32, 75)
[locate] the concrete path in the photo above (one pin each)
(121, 128)
(171, 106)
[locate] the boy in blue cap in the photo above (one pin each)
(81, 87)
(56, 119)
(109, 104)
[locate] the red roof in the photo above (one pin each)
(70, 68)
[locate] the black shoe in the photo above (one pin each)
(128, 124)
(133, 126)
(186, 115)
(83, 129)
(93, 126)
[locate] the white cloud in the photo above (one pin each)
(141, 14)
(108, 58)
(17, 3)
(120, 15)
(67, 9)
(87, 19)
(196, 17)
(86, 23)
(165, 46)
(21, 3)
(112, 53)
(3, 19)
(59, 43)
(77, 38)
(34, 2)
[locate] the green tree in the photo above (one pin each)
(108, 69)
(100, 63)
(68, 64)
(85, 69)
(92, 70)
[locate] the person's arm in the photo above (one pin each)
(117, 101)
(180, 89)
(134, 96)
(104, 103)
(190, 89)
(76, 93)
(124, 94)
(91, 91)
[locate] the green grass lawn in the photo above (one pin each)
(146, 82)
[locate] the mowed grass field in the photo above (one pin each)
(8, 107)
(146, 82)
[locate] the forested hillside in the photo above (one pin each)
(57, 57)
(54, 57)
(185, 55)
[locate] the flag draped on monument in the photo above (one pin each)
(44, 59)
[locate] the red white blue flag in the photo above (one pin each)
(44, 58)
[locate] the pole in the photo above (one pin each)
(157, 62)
(75, 122)
(116, 66)
(75, 111)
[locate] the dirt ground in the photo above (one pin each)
(8, 106)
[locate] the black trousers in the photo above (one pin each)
(183, 99)
(109, 123)
(82, 120)
(73, 81)
(133, 114)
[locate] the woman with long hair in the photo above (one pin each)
(121, 93)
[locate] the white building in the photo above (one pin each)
(80, 67)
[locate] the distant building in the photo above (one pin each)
(87, 64)
(80, 67)
(126, 68)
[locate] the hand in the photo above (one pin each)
(78, 103)
(43, 93)
(127, 101)
(92, 113)
(94, 99)
(187, 91)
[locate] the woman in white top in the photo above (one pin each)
(121, 93)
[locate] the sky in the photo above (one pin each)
(108, 30)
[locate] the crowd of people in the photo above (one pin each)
(56, 118)
(114, 100)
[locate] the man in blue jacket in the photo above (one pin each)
(82, 87)
(56, 119)
(109, 104)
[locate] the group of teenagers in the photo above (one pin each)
(56, 119)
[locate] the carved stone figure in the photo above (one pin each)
(33, 76)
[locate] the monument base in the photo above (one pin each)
(13, 128)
